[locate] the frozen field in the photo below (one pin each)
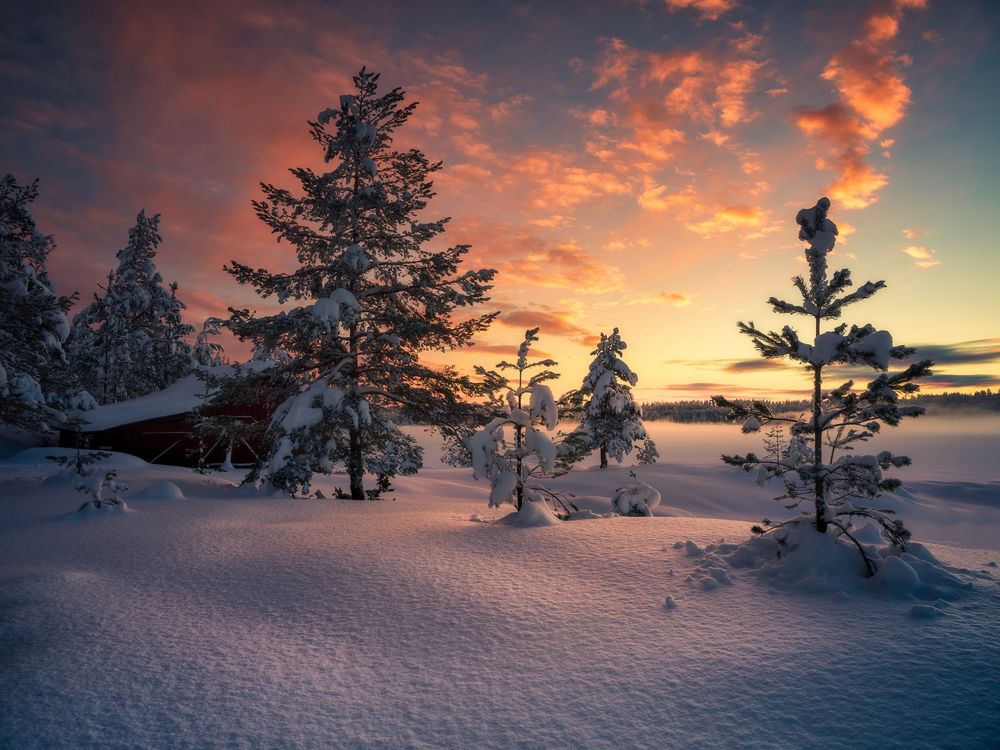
(218, 620)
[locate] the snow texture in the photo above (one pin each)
(238, 621)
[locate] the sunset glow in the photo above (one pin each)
(629, 164)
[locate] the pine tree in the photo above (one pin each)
(611, 420)
(839, 488)
(513, 467)
(372, 297)
(208, 353)
(35, 384)
(774, 443)
(130, 340)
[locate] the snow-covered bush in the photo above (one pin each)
(842, 487)
(610, 419)
(635, 499)
(371, 297)
(513, 451)
(130, 340)
(101, 485)
(35, 383)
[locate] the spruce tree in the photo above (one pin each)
(35, 383)
(841, 487)
(611, 420)
(371, 294)
(512, 451)
(130, 340)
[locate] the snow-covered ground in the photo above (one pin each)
(221, 620)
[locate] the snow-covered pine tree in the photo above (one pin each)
(372, 297)
(130, 340)
(35, 384)
(839, 487)
(610, 419)
(514, 466)
(208, 353)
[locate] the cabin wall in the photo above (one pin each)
(169, 440)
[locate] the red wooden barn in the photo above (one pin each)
(159, 427)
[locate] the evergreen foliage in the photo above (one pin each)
(841, 487)
(35, 383)
(610, 419)
(514, 466)
(372, 296)
(208, 353)
(130, 340)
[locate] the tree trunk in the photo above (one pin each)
(356, 466)
(818, 491)
(604, 457)
(517, 448)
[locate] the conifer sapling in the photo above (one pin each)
(841, 486)
(513, 451)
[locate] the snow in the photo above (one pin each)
(162, 490)
(543, 406)
(825, 348)
(635, 499)
(236, 620)
(878, 346)
(340, 306)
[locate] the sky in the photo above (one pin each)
(629, 164)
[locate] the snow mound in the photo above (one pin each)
(635, 499)
(39, 457)
(796, 557)
(533, 514)
(162, 490)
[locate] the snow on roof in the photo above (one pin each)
(180, 397)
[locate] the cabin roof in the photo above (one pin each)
(178, 398)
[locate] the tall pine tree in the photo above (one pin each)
(130, 340)
(842, 487)
(35, 384)
(372, 297)
(610, 419)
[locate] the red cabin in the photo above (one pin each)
(159, 427)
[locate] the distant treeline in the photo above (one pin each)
(706, 411)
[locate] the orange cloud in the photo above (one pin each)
(557, 323)
(552, 180)
(523, 257)
(923, 257)
(753, 221)
(872, 97)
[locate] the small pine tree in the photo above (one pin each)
(130, 340)
(513, 468)
(208, 353)
(611, 420)
(840, 487)
(775, 447)
(35, 383)
(373, 295)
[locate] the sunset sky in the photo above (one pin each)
(630, 164)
